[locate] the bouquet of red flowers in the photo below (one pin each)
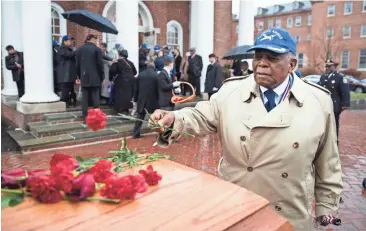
(71, 179)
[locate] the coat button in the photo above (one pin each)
(243, 138)
(278, 208)
(299, 104)
(284, 175)
(250, 169)
(295, 145)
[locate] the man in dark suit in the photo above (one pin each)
(15, 63)
(146, 95)
(338, 86)
(194, 70)
(166, 85)
(213, 76)
(89, 68)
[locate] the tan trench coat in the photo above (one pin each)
(289, 155)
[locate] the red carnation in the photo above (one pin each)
(125, 187)
(43, 188)
(102, 170)
(63, 181)
(152, 177)
(63, 163)
(96, 119)
(13, 179)
(83, 186)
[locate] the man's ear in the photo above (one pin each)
(293, 63)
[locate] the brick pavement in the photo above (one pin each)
(204, 153)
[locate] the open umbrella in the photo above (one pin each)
(90, 20)
(239, 52)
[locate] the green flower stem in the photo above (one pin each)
(16, 191)
(103, 199)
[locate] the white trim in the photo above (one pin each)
(63, 22)
(364, 6)
(344, 8)
(180, 33)
(350, 29)
(144, 12)
(296, 21)
(362, 35)
(359, 59)
(331, 15)
(348, 61)
(278, 20)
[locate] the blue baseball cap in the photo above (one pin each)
(55, 43)
(67, 37)
(275, 40)
(144, 46)
(157, 47)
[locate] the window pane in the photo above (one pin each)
(298, 21)
(57, 30)
(346, 31)
(331, 10)
(362, 59)
(289, 22)
(363, 30)
(270, 24)
(348, 7)
(278, 23)
(345, 59)
(309, 20)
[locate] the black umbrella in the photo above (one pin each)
(239, 52)
(90, 20)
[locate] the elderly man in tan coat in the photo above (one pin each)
(277, 133)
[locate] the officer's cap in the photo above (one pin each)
(275, 40)
(329, 62)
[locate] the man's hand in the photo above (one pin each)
(18, 65)
(215, 89)
(176, 84)
(114, 60)
(165, 119)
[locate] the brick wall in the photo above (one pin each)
(179, 11)
(222, 28)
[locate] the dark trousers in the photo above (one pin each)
(67, 92)
(198, 86)
(20, 86)
(138, 124)
(196, 83)
(93, 93)
(336, 116)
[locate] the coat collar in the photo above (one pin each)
(251, 89)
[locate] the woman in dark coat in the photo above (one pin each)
(178, 61)
(122, 73)
(66, 70)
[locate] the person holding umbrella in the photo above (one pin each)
(89, 68)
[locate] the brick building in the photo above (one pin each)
(323, 29)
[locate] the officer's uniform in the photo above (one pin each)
(338, 86)
(287, 154)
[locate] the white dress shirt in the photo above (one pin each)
(279, 90)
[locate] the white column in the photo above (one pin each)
(246, 22)
(127, 26)
(37, 43)
(203, 16)
(11, 34)
(193, 24)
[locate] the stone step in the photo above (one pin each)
(66, 117)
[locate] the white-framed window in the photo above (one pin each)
(298, 38)
(300, 63)
(362, 59)
(348, 8)
(363, 31)
(308, 38)
(58, 23)
(345, 59)
(278, 23)
(331, 10)
(174, 35)
(309, 20)
(270, 24)
(364, 6)
(260, 25)
(298, 21)
(347, 31)
(330, 33)
(289, 22)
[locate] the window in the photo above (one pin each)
(347, 31)
(270, 24)
(330, 33)
(308, 38)
(58, 23)
(364, 6)
(301, 60)
(309, 20)
(362, 59)
(260, 26)
(344, 59)
(174, 35)
(363, 30)
(348, 8)
(298, 21)
(331, 10)
(278, 23)
(289, 22)
(298, 38)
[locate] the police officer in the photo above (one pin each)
(338, 86)
(277, 133)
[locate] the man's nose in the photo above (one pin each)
(263, 62)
